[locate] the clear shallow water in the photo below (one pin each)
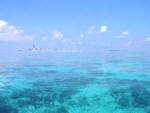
(74, 83)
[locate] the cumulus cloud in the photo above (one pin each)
(123, 34)
(3, 23)
(103, 29)
(11, 32)
(93, 30)
(57, 35)
(81, 35)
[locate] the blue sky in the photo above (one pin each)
(68, 24)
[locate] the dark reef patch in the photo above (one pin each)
(41, 95)
(67, 94)
(141, 95)
(123, 102)
(7, 109)
(72, 103)
(62, 110)
(121, 97)
(83, 101)
(135, 93)
(96, 98)
(3, 100)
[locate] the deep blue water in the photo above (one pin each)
(110, 82)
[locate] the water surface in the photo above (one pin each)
(109, 82)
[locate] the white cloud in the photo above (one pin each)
(57, 35)
(148, 39)
(93, 30)
(3, 23)
(11, 32)
(103, 29)
(123, 34)
(81, 35)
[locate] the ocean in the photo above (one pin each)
(100, 82)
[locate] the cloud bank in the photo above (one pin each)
(57, 35)
(93, 30)
(11, 32)
(123, 34)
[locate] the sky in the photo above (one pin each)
(90, 25)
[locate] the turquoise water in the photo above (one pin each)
(110, 82)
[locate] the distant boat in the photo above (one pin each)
(33, 49)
